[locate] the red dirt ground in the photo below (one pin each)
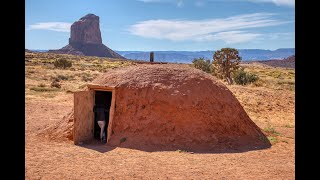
(49, 159)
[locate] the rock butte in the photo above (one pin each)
(85, 39)
(170, 107)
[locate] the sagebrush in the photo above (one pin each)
(242, 77)
(62, 63)
(202, 64)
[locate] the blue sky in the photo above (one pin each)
(150, 25)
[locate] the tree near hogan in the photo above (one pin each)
(226, 62)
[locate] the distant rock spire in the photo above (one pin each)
(86, 30)
(85, 39)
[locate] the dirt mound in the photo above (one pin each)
(169, 107)
(61, 131)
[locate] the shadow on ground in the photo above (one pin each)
(215, 150)
(104, 147)
(97, 146)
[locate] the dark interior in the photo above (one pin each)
(102, 97)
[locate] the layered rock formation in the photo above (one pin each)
(85, 39)
(86, 31)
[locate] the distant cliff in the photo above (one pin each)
(188, 56)
(288, 62)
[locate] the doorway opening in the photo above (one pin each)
(102, 98)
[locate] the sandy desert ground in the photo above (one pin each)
(270, 104)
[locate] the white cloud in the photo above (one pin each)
(199, 3)
(226, 29)
(277, 36)
(178, 3)
(231, 37)
(290, 3)
(52, 26)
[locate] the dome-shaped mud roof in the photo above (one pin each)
(170, 75)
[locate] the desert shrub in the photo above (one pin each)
(258, 83)
(82, 86)
(65, 77)
(43, 89)
(271, 130)
(273, 140)
(31, 71)
(289, 126)
(55, 84)
(242, 77)
(62, 77)
(41, 85)
(202, 64)
(55, 78)
(87, 77)
(181, 151)
(289, 82)
(275, 74)
(62, 63)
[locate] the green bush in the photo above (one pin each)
(62, 63)
(241, 77)
(202, 64)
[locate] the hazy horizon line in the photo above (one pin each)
(183, 50)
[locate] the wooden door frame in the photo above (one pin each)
(79, 128)
(95, 88)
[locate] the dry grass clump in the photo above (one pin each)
(274, 78)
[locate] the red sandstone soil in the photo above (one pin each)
(48, 159)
